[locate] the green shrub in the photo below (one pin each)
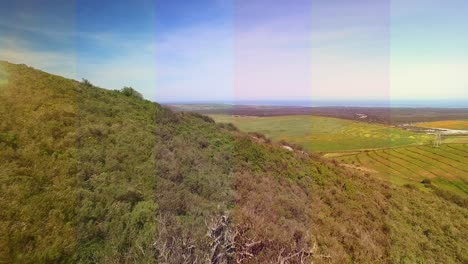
(426, 182)
(9, 140)
(202, 117)
(129, 91)
(228, 126)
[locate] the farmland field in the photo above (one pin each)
(456, 139)
(446, 167)
(316, 133)
(449, 124)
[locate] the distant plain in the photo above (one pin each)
(324, 134)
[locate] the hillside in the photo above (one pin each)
(97, 176)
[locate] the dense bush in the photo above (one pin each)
(129, 91)
(426, 182)
(228, 126)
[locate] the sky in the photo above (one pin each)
(226, 50)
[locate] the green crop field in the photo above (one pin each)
(446, 167)
(317, 133)
(455, 139)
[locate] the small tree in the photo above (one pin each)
(86, 82)
(129, 91)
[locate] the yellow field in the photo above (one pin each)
(449, 124)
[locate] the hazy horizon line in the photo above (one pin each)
(412, 103)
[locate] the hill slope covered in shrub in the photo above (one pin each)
(90, 175)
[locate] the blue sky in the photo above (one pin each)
(238, 50)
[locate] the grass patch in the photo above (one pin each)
(3, 76)
(328, 134)
(455, 139)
